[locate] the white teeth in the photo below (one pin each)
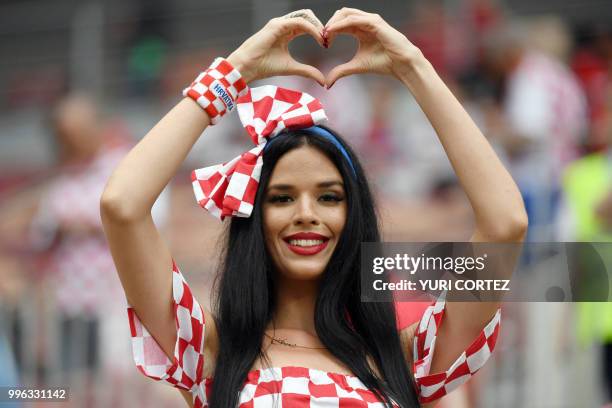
(305, 242)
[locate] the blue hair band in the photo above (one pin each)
(319, 131)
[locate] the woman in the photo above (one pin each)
(289, 325)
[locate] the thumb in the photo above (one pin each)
(342, 70)
(305, 70)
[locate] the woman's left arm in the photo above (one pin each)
(497, 203)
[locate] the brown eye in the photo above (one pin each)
(279, 198)
(330, 197)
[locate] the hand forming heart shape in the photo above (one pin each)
(381, 50)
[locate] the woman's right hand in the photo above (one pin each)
(266, 53)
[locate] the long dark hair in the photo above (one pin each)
(244, 300)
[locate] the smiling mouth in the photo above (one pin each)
(306, 242)
(306, 246)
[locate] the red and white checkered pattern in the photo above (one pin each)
(435, 386)
(217, 89)
(302, 387)
(296, 387)
(229, 189)
(185, 371)
(84, 277)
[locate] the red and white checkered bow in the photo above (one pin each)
(229, 189)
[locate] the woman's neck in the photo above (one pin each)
(295, 304)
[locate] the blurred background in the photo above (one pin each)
(82, 81)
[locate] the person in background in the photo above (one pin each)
(592, 63)
(66, 233)
(541, 121)
(587, 204)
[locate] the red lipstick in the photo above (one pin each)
(308, 236)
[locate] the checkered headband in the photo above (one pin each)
(229, 189)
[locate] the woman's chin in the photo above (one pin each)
(303, 271)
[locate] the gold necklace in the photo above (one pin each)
(286, 343)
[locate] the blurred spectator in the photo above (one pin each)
(67, 227)
(592, 63)
(550, 35)
(587, 187)
(541, 123)
(67, 232)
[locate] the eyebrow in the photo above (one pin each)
(323, 184)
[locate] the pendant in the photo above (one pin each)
(282, 341)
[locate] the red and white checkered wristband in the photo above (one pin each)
(217, 89)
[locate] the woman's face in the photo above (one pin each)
(304, 212)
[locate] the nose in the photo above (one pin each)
(305, 212)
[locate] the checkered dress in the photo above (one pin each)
(84, 277)
(296, 387)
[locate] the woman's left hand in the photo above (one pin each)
(382, 49)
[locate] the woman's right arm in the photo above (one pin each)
(141, 257)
